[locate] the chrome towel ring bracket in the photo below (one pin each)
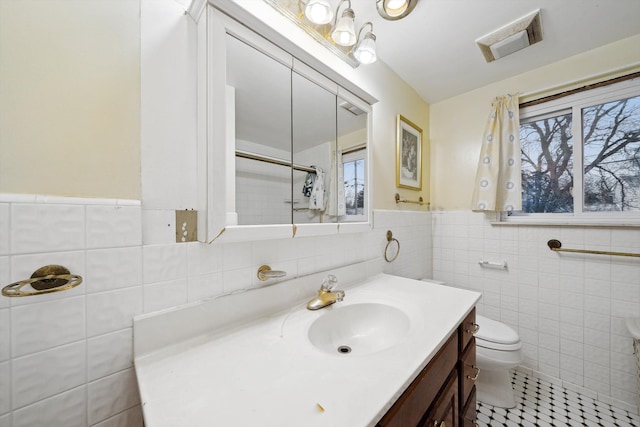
(391, 251)
(45, 280)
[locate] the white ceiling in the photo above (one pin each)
(434, 49)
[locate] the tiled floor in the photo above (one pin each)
(541, 403)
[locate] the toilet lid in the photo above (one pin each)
(497, 332)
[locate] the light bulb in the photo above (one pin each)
(344, 33)
(365, 53)
(395, 7)
(319, 12)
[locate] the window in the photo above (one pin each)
(353, 167)
(581, 154)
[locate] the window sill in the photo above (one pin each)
(556, 222)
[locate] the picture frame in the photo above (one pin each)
(408, 154)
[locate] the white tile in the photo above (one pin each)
(572, 348)
(113, 226)
(5, 279)
(112, 311)
(109, 353)
(109, 269)
(23, 266)
(5, 387)
(4, 229)
(599, 322)
(163, 295)
(50, 372)
(65, 409)
(129, 418)
(46, 228)
(234, 280)
(626, 238)
(620, 308)
(203, 258)
(594, 304)
(625, 272)
(626, 291)
(158, 226)
(161, 263)
(5, 335)
(205, 286)
(111, 395)
(41, 326)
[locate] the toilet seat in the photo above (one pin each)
(496, 336)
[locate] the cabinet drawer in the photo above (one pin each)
(469, 413)
(417, 398)
(445, 410)
(468, 328)
(469, 371)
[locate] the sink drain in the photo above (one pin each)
(344, 349)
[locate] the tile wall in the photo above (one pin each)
(66, 358)
(568, 309)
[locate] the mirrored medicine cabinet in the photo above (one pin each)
(282, 148)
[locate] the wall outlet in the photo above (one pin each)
(186, 226)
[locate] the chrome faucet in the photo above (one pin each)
(327, 294)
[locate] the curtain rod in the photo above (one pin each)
(585, 80)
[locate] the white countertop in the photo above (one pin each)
(268, 373)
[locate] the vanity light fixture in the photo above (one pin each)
(335, 28)
(344, 31)
(319, 12)
(365, 51)
(395, 9)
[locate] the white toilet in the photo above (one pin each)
(498, 349)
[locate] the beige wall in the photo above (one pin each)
(457, 123)
(70, 97)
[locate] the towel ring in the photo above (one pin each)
(391, 239)
(45, 280)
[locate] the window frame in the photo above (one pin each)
(576, 103)
(351, 156)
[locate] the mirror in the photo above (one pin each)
(314, 141)
(285, 147)
(262, 133)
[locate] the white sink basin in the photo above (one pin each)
(359, 329)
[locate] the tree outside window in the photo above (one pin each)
(603, 149)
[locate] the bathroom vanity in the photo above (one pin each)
(262, 358)
(444, 392)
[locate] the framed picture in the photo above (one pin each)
(408, 155)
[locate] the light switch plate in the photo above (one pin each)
(186, 226)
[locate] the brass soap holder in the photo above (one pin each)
(45, 280)
(265, 273)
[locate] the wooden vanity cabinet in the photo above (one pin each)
(443, 394)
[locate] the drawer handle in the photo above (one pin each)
(474, 330)
(442, 424)
(475, 377)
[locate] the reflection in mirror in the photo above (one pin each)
(314, 141)
(352, 158)
(262, 98)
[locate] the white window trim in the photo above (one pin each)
(350, 157)
(576, 103)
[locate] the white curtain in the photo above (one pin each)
(497, 187)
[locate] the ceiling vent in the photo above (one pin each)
(513, 37)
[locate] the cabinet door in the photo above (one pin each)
(469, 413)
(445, 410)
(411, 407)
